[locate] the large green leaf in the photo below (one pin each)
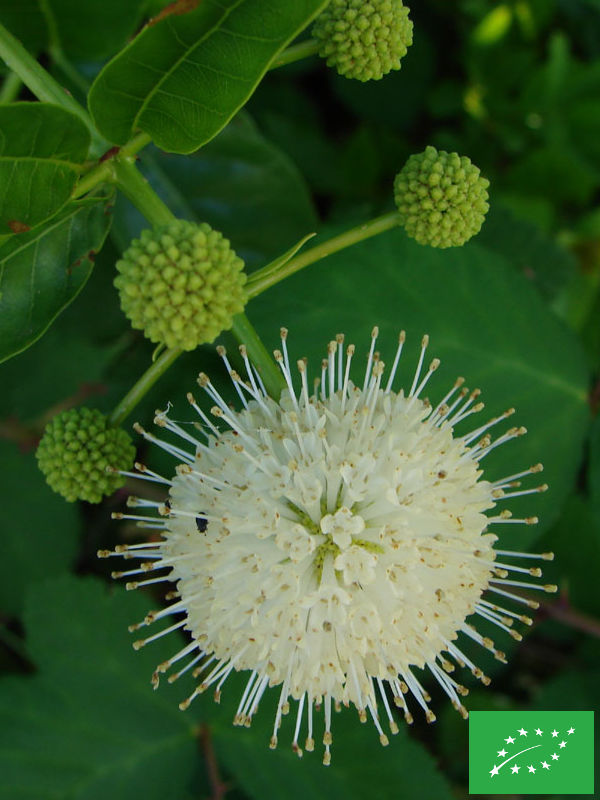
(486, 322)
(42, 270)
(88, 726)
(183, 78)
(35, 521)
(85, 30)
(239, 183)
(41, 149)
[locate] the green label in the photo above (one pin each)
(531, 752)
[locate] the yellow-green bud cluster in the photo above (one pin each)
(181, 284)
(75, 451)
(442, 198)
(363, 40)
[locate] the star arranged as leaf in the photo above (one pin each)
(572, 730)
(554, 733)
(515, 768)
(538, 732)
(510, 740)
(494, 771)
(554, 757)
(523, 732)
(545, 765)
(501, 753)
(531, 768)
(562, 744)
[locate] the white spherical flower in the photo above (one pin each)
(333, 544)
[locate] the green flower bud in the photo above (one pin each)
(181, 284)
(77, 447)
(363, 40)
(442, 198)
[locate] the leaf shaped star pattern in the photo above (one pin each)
(551, 763)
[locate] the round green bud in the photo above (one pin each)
(181, 284)
(75, 451)
(363, 40)
(442, 198)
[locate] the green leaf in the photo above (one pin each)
(215, 185)
(39, 530)
(88, 726)
(42, 147)
(171, 80)
(43, 270)
(518, 353)
(85, 30)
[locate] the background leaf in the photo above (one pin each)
(41, 271)
(39, 531)
(519, 354)
(239, 183)
(41, 149)
(171, 80)
(85, 30)
(57, 739)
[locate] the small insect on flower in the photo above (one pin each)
(343, 543)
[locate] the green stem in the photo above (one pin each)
(37, 79)
(296, 52)
(10, 88)
(266, 277)
(136, 188)
(105, 170)
(142, 386)
(259, 355)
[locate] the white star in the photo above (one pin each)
(563, 744)
(554, 757)
(523, 732)
(494, 771)
(515, 768)
(545, 764)
(531, 768)
(510, 740)
(538, 732)
(501, 753)
(554, 733)
(571, 731)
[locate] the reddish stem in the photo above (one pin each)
(218, 788)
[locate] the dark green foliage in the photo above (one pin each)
(512, 86)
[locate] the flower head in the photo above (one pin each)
(75, 451)
(333, 543)
(363, 39)
(181, 284)
(442, 198)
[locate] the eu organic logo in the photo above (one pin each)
(531, 752)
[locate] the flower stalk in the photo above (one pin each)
(136, 188)
(266, 277)
(259, 355)
(142, 386)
